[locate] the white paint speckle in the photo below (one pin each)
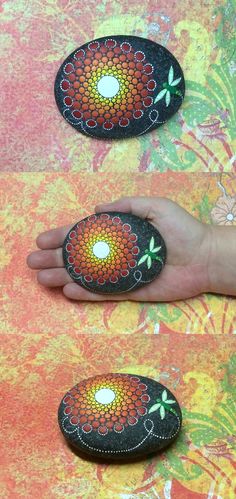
(157, 328)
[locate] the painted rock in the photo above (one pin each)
(119, 87)
(119, 416)
(113, 252)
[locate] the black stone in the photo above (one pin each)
(113, 252)
(119, 86)
(148, 420)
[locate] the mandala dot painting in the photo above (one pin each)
(113, 252)
(119, 415)
(119, 87)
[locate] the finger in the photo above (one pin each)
(52, 238)
(76, 292)
(45, 259)
(139, 206)
(53, 278)
(159, 290)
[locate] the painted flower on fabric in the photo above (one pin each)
(151, 254)
(211, 130)
(169, 88)
(224, 213)
(106, 403)
(163, 405)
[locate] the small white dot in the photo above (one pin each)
(108, 86)
(230, 217)
(101, 249)
(105, 396)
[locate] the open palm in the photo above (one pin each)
(184, 275)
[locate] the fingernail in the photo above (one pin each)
(101, 207)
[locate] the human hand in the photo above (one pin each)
(188, 248)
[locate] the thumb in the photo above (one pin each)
(139, 206)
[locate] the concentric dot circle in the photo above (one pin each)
(108, 86)
(105, 396)
(106, 403)
(102, 249)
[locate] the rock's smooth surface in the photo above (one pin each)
(119, 87)
(113, 252)
(119, 416)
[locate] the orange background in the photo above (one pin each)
(37, 202)
(36, 37)
(50, 343)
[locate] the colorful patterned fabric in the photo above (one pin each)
(35, 39)
(34, 203)
(37, 461)
(50, 343)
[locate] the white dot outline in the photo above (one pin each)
(149, 105)
(65, 104)
(126, 51)
(151, 89)
(87, 432)
(138, 52)
(69, 72)
(149, 433)
(138, 117)
(76, 117)
(124, 126)
(148, 64)
(94, 49)
(110, 40)
(70, 236)
(77, 51)
(94, 126)
(68, 81)
(108, 129)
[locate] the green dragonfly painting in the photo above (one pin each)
(169, 88)
(163, 405)
(151, 254)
